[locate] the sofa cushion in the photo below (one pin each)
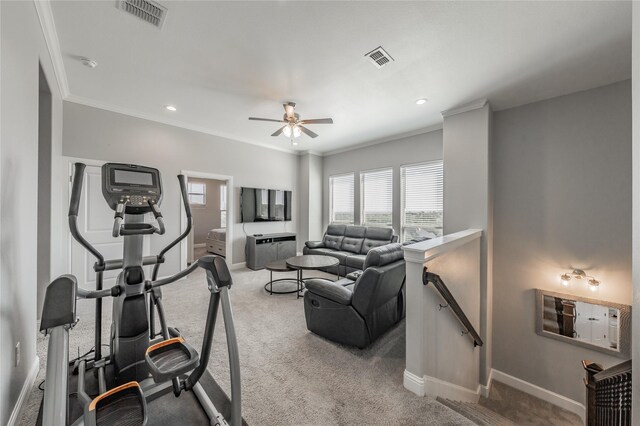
(333, 241)
(322, 251)
(352, 244)
(340, 255)
(369, 244)
(356, 261)
(336, 230)
(381, 256)
(376, 233)
(355, 231)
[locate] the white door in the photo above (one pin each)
(95, 223)
(583, 325)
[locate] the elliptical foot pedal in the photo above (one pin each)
(124, 405)
(171, 358)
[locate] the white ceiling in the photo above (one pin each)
(221, 62)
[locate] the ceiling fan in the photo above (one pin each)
(293, 127)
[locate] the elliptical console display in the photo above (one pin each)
(136, 187)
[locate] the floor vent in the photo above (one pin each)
(147, 10)
(379, 57)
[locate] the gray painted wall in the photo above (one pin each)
(562, 191)
(636, 204)
(206, 218)
(467, 203)
(121, 138)
(310, 200)
(21, 47)
(409, 150)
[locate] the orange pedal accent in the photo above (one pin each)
(165, 343)
(97, 399)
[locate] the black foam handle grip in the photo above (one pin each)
(185, 196)
(76, 189)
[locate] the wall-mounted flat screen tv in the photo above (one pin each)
(265, 205)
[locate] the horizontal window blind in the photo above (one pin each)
(341, 198)
(421, 200)
(377, 197)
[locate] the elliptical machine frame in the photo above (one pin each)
(133, 337)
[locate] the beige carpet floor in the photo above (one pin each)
(289, 375)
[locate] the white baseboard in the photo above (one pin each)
(200, 245)
(436, 387)
(239, 265)
(24, 393)
(538, 392)
(413, 383)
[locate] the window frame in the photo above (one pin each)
(403, 196)
(363, 173)
(190, 192)
(223, 203)
(353, 207)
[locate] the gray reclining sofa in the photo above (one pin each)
(357, 311)
(350, 245)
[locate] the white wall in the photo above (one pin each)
(103, 135)
(22, 46)
(562, 199)
(467, 201)
(414, 149)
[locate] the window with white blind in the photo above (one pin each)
(197, 193)
(223, 206)
(341, 198)
(421, 200)
(376, 189)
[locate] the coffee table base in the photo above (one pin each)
(268, 287)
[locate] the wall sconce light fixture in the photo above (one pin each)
(579, 274)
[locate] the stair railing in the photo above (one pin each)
(438, 284)
(608, 394)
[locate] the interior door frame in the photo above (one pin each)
(230, 215)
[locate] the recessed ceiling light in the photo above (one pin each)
(421, 101)
(88, 62)
(170, 108)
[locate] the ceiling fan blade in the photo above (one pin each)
(266, 119)
(288, 108)
(308, 132)
(318, 121)
(278, 132)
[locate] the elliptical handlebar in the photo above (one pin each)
(187, 209)
(74, 206)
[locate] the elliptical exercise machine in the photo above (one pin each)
(133, 383)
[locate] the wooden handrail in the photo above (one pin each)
(430, 277)
(622, 368)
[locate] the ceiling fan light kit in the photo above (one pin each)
(293, 126)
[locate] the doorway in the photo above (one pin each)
(210, 201)
(43, 255)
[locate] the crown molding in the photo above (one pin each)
(169, 122)
(465, 108)
(47, 23)
(416, 132)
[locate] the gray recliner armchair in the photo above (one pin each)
(356, 313)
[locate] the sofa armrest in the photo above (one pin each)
(314, 244)
(329, 290)
(353, 276)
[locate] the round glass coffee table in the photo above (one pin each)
(310, 262)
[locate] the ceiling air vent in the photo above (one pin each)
(147, 10)
(379, 57)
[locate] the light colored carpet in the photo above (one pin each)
(289, 375)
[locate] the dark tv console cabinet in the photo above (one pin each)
(269, 247)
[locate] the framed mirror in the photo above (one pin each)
(590, 323)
